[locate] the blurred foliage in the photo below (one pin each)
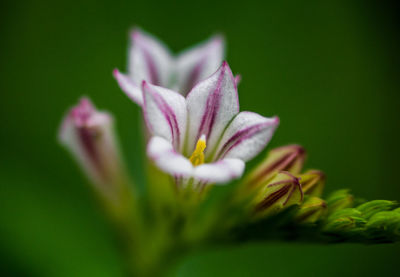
(327, 68)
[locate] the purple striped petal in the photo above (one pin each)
(89, 135)
(199, 62)
(246, 136)
(165, 113)
(167, 159)
(212, 104)
(129, 87)
(149, 60)
(219, 172)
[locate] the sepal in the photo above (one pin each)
(339, 200)
(313, 182)
(282, 192)
(370, 208)
(311, 210)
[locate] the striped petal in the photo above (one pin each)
(129, 87)
(246, 136)
(199, 62)
(162, 152)
(212, 104)
(149, 60)
(89, 135)
(165, 113)
(219, 172)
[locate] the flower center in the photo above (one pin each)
(197, 158)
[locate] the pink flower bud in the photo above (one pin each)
(287, 158)
(88, 134)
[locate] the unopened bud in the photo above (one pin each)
(88, 134)
(339, 200)
(313, 182)
(348, 222)
(311, 210)
(287, 158)
(384, 225)
(370, 208)
(283, 191)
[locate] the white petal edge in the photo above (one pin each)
(129, 87)
(219, 172)
(167, 159)
(199, 62)
(165, 113)
(149, 59)
(246, 136)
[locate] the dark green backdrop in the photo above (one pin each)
(327, 68)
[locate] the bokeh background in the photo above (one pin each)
(329, 69)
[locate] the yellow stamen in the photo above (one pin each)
(197, 157)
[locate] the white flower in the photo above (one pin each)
(150, 60)
(203, 138)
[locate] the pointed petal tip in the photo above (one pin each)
(135, 32)
(218, 39)
(226, 69)
(276, 120)
(116, 73)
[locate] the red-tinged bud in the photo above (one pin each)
(282, 192)
(89, 135)
(287, 158)
(313, 182)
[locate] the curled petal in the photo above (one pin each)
(246, 136)
(149, 59)
(221, 171)
(165, 113)
(167, 159)
(129, 87)
(199, 62)
(212, 104)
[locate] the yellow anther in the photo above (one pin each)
(197, 157)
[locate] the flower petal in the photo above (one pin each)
(129, 87)
(149, 60)
(212, 104)
(167, 159)
(246, 136)
(221, 171)
(165, 113)
(199, 62)
(89, 135)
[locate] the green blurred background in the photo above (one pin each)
(329, 69)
